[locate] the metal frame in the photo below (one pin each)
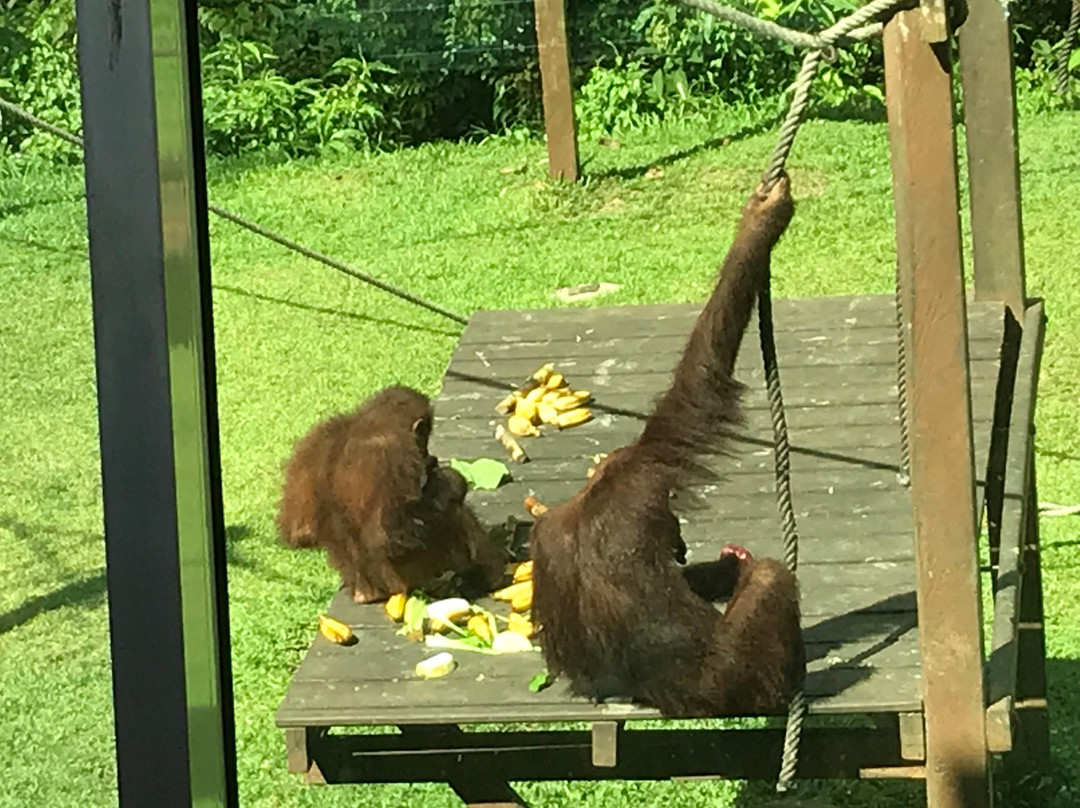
(149, 257)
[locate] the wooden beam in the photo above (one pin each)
(559, 121)
(1001, 668)
(920, 107)
(986, 69)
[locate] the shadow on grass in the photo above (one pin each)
(633, 172)
(1017, 784)
(43, 247)
(85, 593)
(363, 318)
(91, 592)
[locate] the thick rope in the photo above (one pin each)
(258, 229)
(1066, 49)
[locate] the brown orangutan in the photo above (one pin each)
(618, 616)
(363, 486)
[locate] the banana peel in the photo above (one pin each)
(335, 631)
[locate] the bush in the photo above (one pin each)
(303, 76)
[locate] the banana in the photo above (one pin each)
(509, 442)
(510, 642)
(527, 410)
(479, 626)
(550, 396)
(506, 406)
(522, 602)
(435, 666)
(543, 373)
(535, 394)
(395, 607)
(547, 413)
(521, 427)
(334, 630)
(567, 403)
(519, 624)
(513, 591)
(523, 572)
(573, 417)
(555, 381)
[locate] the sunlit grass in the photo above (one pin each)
(297, 341)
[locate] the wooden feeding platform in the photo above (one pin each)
(838, 362)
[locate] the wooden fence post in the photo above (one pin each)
(559, 121)
(986, 67)
(920, 108)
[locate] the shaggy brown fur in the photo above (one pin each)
(363, 486)
(618, 617)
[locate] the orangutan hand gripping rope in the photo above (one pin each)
(618, 616)
(363, 486)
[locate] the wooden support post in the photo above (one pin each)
(1032, 746)
(559, 121)
(919, 99)
(986, 68)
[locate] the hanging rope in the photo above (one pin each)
(855, 26)
(1066, 49)
(258, 229)
(901, 383)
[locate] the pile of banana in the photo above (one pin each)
(454, 624)
(545, 398)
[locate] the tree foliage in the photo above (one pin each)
(304, 76)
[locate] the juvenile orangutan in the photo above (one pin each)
(618, 616)
(363, 486)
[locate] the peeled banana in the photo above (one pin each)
(510, 642)
(435, 666)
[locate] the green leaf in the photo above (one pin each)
(1074, 60)
(482, 473)
(539, 682)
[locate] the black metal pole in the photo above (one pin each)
(149, 256)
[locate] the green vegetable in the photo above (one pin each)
(484, 473)
(539, 682)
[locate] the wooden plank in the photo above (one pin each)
(818, 314)
(647, 754)
(1031, 743)
(329, 703)
(559, 121)
(886, 616)
(872, 343)
(381, 657)
(986, 65)
(920, 107)
(604, 369)
(1002, 664)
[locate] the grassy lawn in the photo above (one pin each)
(297, 341)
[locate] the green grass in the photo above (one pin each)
(297, 341)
